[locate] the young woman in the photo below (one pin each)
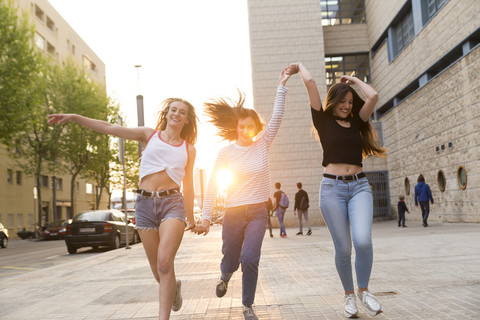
(345, 197)
(162, 211)
(245, 219)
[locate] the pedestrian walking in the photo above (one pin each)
(345, 198)
(269, 215)
(162, 209)
(423, 195)
(301, 209)
(402, 207)
(245, 218)
(280, 204)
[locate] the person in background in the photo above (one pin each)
(279, 208)
(245, 218)
(301, 209)
(269, 215)
(423, 195)
(162, 210)
(346, 135)
(402, 207)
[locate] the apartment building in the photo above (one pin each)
(422, 56)
(18, 203)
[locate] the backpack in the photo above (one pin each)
(304, 204)
(283, 201)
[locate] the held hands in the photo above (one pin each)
(200, 228)
(59, 118)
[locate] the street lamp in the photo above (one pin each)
(140, 115)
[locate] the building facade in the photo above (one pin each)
(422, 58)
(18, 203)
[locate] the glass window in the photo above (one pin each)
(441, 181)
(19, 177)
(342, 12)
(462, 177)
(404, 31)
(407, 186)
(39, 42)
(89, 188)
(433, 6)
(59, 183)
(356, 65)
(20, 220)
(9, 175)
(44, 181)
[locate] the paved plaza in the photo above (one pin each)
(418, 273)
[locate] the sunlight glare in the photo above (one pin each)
(224, 179)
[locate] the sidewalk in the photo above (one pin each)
(418, 273)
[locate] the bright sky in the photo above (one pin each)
(191, 49)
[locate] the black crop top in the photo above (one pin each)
(340, 144)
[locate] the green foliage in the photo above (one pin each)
(20, 69)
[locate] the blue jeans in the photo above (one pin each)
(150, 212)
(243, 231)
(348, 206)
(280, 214)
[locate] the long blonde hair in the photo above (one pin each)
(189, 130)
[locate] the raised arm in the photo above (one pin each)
(368, 91)
(309, 82)
(139, 134)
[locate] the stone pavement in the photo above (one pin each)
(418, 273)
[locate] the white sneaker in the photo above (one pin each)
(370, 302)
(351, 309)
(249, 314)
(178, 300)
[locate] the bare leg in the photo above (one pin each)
(161, 248)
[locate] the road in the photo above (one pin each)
(22, 256)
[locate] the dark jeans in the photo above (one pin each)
(425, 207)
(243, 231)
(401, 219)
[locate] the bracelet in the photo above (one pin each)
(191, 227)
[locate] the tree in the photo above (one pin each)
(72, 91)
(19, 70)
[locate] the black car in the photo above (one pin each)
(100, 228)
(3, 236)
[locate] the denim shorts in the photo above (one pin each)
(150, 212)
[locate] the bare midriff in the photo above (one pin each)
(157, 181)
(342, 169)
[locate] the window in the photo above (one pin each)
(19, 177)
(403, 32)
(20, 220)
(433, 6)
(357, 65)
(407, 186)
(89, 188)
(10, 219)
(30, 220)
(50, 49)
(87, 63)
(39, 13)
(9, 175)
(59, 183)
(50, 24)
(462, 177)
(342, 12)
(441, 181)
(39, 41)
(44, 181)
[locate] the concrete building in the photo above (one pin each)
(422, 56)
(17, 202)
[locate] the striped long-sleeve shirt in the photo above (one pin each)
(248, 165)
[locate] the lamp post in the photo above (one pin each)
(140, 115)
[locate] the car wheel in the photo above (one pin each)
(4, 243)
(135, 238)
(72, 249)
(116, 243)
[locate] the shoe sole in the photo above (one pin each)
(373, 313)
(178, 293)
(220, 293)
(350, 315)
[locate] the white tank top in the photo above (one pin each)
(160, 155)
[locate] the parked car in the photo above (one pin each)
(3, 236)
(130, 214)
(100, 228)
(55, 230)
